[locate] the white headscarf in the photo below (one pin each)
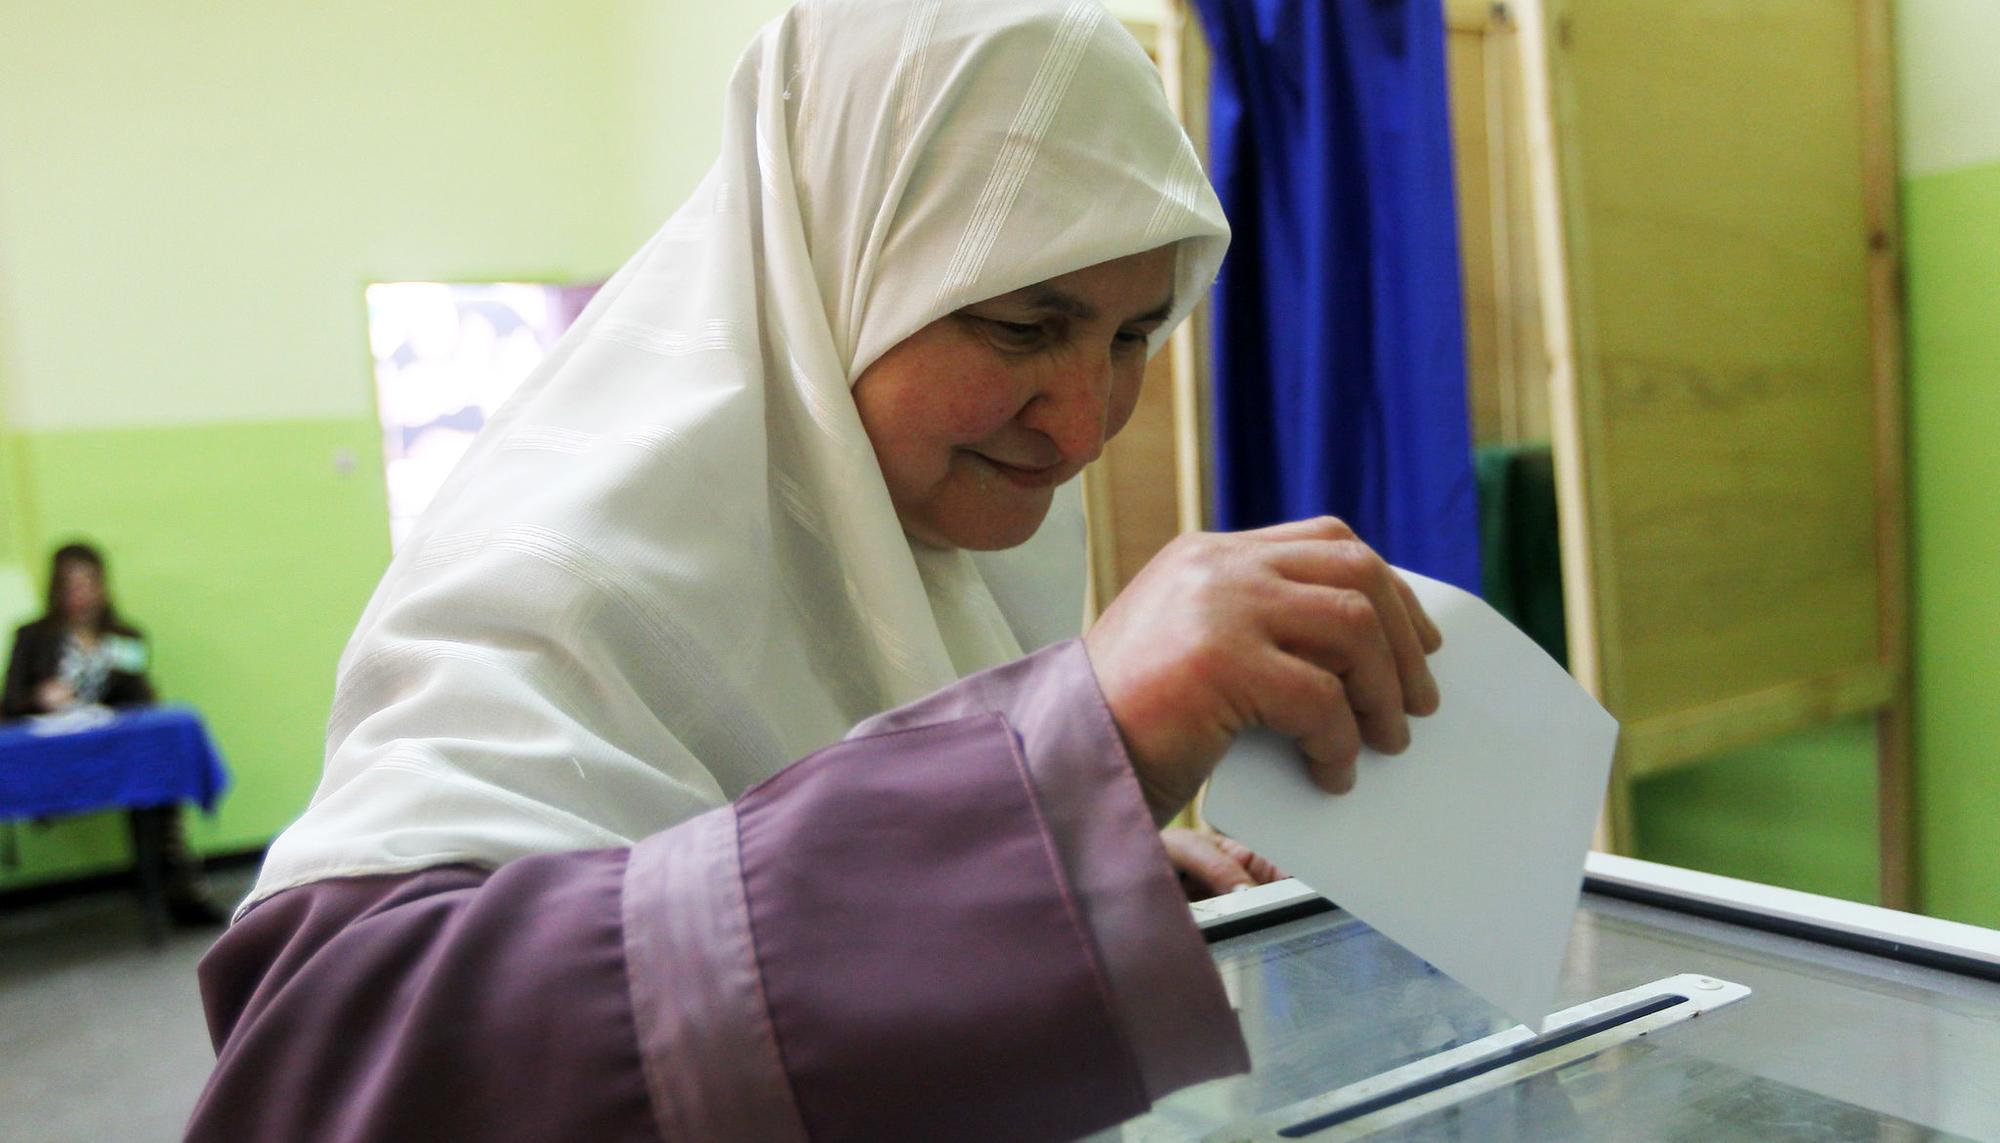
(670, 566)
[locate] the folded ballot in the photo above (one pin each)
(1466, 849)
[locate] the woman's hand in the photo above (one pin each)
(1300, 627)
(1211, 864)
(53, 696)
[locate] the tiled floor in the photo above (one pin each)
(101, 1038)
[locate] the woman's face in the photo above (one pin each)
(81, 590)
(978, 416)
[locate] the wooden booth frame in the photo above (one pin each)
(1788, 450)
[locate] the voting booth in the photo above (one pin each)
(1690, 305)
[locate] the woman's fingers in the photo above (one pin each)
(1212, 864)
(1309, 705)
(1428, 630)
(1353, 565)
(1202, 861)
(1300, 627)
(1340, 631)
(1316, 528)
(1260, 868)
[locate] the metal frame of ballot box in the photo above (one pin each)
(1696, 1008)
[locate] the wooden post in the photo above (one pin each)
(1895, 802)
(1184, 68)
(1573, 427)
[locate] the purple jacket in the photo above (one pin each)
(956, 924)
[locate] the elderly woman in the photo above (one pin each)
(808, 459)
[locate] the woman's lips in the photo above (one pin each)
(1047, 476)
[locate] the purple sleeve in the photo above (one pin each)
(448, 1004)
(911, 934)
(1164, 987)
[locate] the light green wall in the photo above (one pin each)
(682, 54)
(195, 193)
(192, 198)
(246, 556)
(17, 596)
(1952, 230)
(1948, 93)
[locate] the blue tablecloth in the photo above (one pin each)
(146, 757)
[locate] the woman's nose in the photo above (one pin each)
(1072, 408)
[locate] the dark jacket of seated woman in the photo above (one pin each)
(37, 658)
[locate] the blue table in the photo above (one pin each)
(154, 756)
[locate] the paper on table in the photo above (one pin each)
(1467, 848)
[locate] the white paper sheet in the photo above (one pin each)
(1467, 848)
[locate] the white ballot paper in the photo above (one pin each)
(1466, 849)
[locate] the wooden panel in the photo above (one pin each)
(1712, 160)
(1507, 383)
(1470, 15)
(1137, 477)
(1667, 740)
(1184, 68)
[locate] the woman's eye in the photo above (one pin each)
(1133, 339)
(1015, 334)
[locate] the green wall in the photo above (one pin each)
(16, 589)
(1798, 812)
(192, 198)
(246, 557)
(17, 586)
(1952, 228)
(196, 193)
(1949, 92)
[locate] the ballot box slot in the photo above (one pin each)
(1467, 1071)
(1548, 1042)
(1257, 908)
(1224, 929)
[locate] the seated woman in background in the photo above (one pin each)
(79, 653)
(800, 483)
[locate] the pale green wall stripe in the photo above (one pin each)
(1952, 226)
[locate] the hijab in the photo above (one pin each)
(669, 566)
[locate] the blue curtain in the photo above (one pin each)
(1340, 360)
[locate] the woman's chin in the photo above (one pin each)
(985, 529)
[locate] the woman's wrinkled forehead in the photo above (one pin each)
(945, 153)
